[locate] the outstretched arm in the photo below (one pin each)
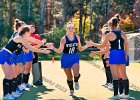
(105, 51)
(27, 45)
(61, 47)
(80, 47)
(35, 41)
(107, 39)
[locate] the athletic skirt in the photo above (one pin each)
(68, 60)
(21, 58)
(7, 57)
(117, 57)
(29, 56)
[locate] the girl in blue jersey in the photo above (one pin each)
(69, 46)
(118, 56)
(8, 58)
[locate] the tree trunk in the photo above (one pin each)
(85, 14)
(29, 8)
(42, 13)
(107, 11)
(64, 6)
(18, 9)
(91, 12)
(10, 13)
(1, 21)
(81, 5)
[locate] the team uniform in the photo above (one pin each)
(117, 56)
(70, 56)
(117, 52)
(29, 56)
(9, 55)
(21, 57)
(10, 52)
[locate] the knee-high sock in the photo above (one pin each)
(6, 86)
(70, 84)
(121, 86)
(115, 85)
(126, 86)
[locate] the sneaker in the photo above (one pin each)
(116, 97)
(110, 87)
(20, 87)
(105, 85)
(24, 86)
(19, 92)
(14, 95)
(71, 92)
(8, 97)
(28, 85)
(77, 86)
(124, 96)
(38, 83)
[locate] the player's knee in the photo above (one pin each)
(76, 78)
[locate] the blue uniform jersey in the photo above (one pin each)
(71, 46)
(117, 53)
(70, 56)
(118, 43)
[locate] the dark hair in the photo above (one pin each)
(18, 24)
(32, 26)
(24, 29)
(113, 22)
(106, 30)
(36, 31)
(105, 25)
(118, 17)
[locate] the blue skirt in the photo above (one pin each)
(117, 57)
(21, 58)
(7, 57)
(68, 60)
(29, 56)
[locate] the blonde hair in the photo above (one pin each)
(70, 24)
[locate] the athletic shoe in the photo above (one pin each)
(77, 86)
(8, 97)
(23, 86)
(110, 87)
(14, 95)
(115, 97)
(38, 83)
(105, 85)
(124, 96)
(19, 91)
(71, 93)
(27, 85)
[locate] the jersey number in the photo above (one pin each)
(119, 44)
(71, 50)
